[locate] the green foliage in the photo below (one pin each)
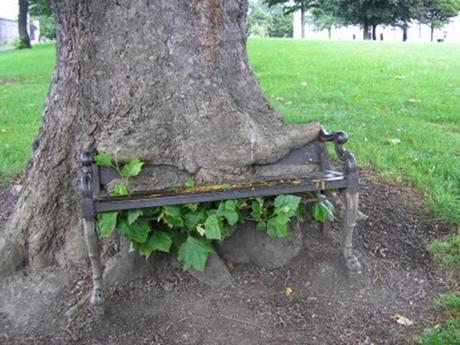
(189, 229)
(323, 210)
(447, 251)
(121, 189)
(268, 21)
(47, 27)
(104, 160)
(193, 253)
(106, 223)
(449, 332)
(132, 168)
(437, 13)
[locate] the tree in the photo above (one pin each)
(291, 6)
(41, 9)
(281, 24)
(24, 39)
(367, 13)
(258, 19)
(403, 12)
(263, 21)
(166, 81)
(324, 16)
(437, 13)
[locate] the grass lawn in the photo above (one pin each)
(377, 92)
(24, 79)
(380, 93)
(400, 103)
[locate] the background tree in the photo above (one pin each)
(265, 21)
(437, 13)
(41, 10)
(281, 24)
(166, 81)
(258, 19)
(291, 6)
(24, 39)
(366, 13)
(324, 16)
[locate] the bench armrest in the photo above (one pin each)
(350, 164)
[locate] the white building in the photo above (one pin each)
(9, 11)
(416, 32)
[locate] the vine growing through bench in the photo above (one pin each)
(187, 231)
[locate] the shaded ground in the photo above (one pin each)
(327, 305)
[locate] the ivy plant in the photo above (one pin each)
(187, 231)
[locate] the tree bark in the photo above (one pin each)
(166, 81)
(24, 40)
(374, 32)
(431, 33)
(302, 21)
(404, 30)
(365, 31)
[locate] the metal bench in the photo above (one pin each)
(95, 198)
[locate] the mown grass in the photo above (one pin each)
(449, 331)
(376, 92)
(24, 79)
(400, 104)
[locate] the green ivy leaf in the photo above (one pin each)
(193, 253)
(301, 213)
(120, 189)
(257, 209)
(189, 182)
(277, 226)
(262, 226)
(132, 168)
(287, 204)
(227, 210)
(159, 240)
(137, 231)
(213, 228)
(106, 222)
(172, 216)
(192, 220)
(133, 215)
(192, 206)
(323, 210)
(104, 160)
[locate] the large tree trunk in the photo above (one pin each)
(24, 40)
(167, 81)
(404, 28)
(302, 22)
(365, 31)
(374, 32)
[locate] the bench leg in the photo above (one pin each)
(97, 294)
(349, 222)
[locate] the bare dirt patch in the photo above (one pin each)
(327, 305)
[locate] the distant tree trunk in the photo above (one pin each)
(329, 32)
(365, 31)
(374, 32)
(404, 30)
(431, 32)
(24, 40)
(166, 81)
(302, 21)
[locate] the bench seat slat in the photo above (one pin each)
(331, 180)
